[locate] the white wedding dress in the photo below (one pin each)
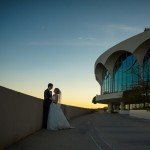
(56, 118)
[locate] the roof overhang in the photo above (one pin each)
(129, 45)
(136, 45)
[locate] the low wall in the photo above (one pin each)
(72, 112)
(124, 112)
(140, 113)
(21, 115)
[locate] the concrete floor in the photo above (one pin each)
(93, 132)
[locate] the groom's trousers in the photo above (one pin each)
(46, 107)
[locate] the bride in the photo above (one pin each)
(56, 117)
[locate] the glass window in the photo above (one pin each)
(106, 82)
(126, 73)
(146, 68)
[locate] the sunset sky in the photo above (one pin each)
(58, 41)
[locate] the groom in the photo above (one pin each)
(46, 104)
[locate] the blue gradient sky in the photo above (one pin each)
(58, 41)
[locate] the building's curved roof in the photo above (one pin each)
(134, 45)
(129, 45)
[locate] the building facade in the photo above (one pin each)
(122, 68)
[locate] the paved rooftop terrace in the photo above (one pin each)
(98, 131)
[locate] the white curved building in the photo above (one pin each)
(120, 68)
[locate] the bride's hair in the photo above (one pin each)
(57, 91)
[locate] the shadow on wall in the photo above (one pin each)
(21, 115)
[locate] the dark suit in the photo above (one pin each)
(46, 106)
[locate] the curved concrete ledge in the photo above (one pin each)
(130, 45)
(73, 112)
(21, 115)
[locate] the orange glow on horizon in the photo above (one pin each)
(83, 99)
(77, 101)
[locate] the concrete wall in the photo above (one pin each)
(21, 115)
(72, 112)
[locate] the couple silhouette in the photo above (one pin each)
(53, 116)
